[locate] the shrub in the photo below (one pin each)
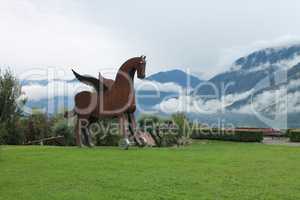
(61, 128)
(107, 133)
(249, 136)
(107, 139)
(182, 123)
(171, 139)
(149, 123)
(294, 135)
(37, 126)
(3, 133)
(228, 135)
(168, 139)
(288, 132)
(11, 133)
(166, 132)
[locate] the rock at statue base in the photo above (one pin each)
(147, 138)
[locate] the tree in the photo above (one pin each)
(38, 126)
(10, 111)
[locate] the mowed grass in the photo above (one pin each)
(204, 170)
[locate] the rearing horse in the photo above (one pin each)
(111, 99)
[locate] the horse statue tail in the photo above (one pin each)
(97, 84)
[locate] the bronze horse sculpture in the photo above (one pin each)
(113, 98)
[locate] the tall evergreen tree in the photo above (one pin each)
(10, 111)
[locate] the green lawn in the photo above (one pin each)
(207, 170)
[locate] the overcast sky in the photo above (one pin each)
(94, 35)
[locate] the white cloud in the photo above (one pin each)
(31, 36)
(231, 54)
(279, 101)
(195, 104)
(293, 84)
(64, 88)
(273, 102)
(53, 89)
(95, 34)
(145, 85)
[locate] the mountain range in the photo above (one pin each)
(263, 85)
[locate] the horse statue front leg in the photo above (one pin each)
(124, 142)
(134, 131)
(141, 138)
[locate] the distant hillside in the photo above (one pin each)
(262, 88)
(176, 76)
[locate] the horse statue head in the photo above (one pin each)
(141, 67)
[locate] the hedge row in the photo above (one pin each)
(228, 135)
(294, 135)
(107, 140)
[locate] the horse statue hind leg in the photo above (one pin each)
(128, 120)
(134, 131)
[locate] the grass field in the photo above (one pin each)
(204, 170)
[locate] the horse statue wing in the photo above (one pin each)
(97, 84)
